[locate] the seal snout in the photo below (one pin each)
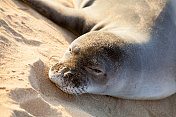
(74, 78)
(68, 74)
(67, 79)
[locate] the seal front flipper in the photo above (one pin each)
(72, 19)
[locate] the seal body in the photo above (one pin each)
(124, 48)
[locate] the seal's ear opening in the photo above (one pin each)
(115, 53)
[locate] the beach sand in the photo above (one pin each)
(29, 45)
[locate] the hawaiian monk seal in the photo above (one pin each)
(125, 48)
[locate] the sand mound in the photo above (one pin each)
(29, 45)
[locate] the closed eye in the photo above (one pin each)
(94, 70)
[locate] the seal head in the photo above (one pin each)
(88, 64)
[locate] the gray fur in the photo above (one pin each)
(124, 48)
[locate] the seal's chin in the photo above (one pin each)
(67, 80)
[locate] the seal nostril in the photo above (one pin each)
(76, 82)
(52, 68)
(68, 74)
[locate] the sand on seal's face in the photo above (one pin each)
(28, 43)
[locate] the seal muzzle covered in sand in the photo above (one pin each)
(125, 48)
